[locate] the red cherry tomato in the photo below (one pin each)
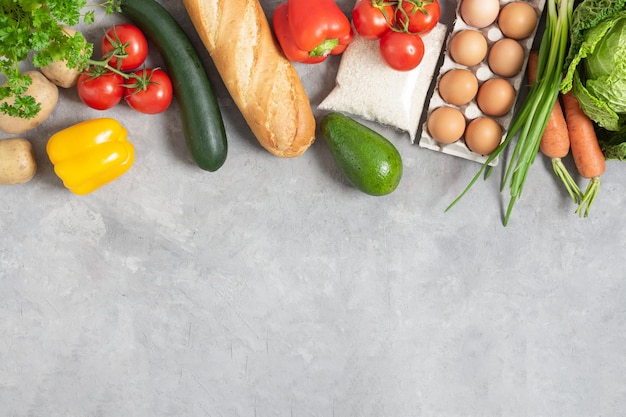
(151, 93)
(100, 91)
(372, 21)
(126, 45)
(402, 51)
(419, 20)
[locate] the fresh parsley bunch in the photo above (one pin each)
(32, 26)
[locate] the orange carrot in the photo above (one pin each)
(586, 151)
(555, 141)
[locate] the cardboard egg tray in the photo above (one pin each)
(483, 73)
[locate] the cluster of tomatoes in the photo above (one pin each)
(117, 76)
(399, 25)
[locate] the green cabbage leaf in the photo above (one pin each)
(588, 14)
(595, 69)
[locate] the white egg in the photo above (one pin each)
(480, 13)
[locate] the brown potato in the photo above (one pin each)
(58, 72)
(17, 161)
(44, 92)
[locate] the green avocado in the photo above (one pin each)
(368, 160)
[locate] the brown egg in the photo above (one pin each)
(517, 20)
(506, 57)
(495, 97)
(446, 124)
(479, 13)
(458, 86)
(468, 47)
(483, 135)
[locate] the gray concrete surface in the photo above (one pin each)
(273, 288)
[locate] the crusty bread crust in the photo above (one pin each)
(261, 80)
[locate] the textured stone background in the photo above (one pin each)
(272, 288)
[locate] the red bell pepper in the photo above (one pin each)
(308, 31)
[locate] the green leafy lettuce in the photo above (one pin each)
(596, 69)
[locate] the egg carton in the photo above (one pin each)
(483, 73)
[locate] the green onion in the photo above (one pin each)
(531, 119)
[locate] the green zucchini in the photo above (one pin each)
(202, 121)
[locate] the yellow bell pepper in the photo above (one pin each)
(90, 154)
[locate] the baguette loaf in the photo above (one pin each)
(261, 80)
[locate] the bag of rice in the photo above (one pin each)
(367, 87)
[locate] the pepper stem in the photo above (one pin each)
(324, 48)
